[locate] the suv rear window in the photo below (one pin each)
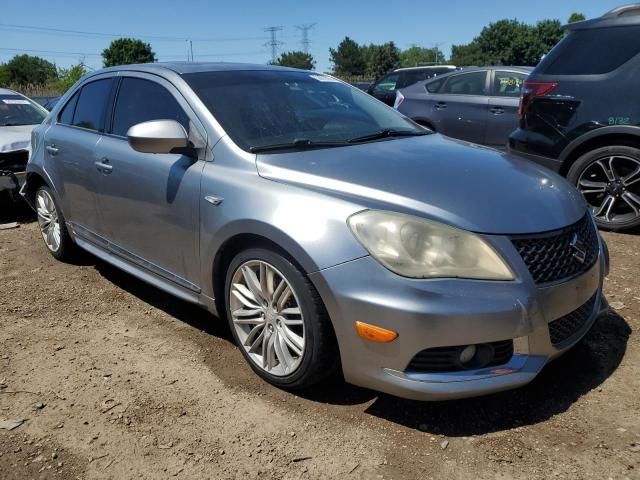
(592, 52)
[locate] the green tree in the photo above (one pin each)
(467, 55)
(296, 59)
(382, 59)
(576, 17)
(544, 36)
(416, 56)
(348, 58)
(124, 51)
(27, 69)
(68, 76)
(5, 76)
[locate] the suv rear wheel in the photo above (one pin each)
(609, 179)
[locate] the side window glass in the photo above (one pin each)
(142, 100)
(92, 105)
(434, 87)
(388, 82)
(508, 84)
(66, 115)
(466, 84)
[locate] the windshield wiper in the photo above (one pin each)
(388, 132)
(298, 144)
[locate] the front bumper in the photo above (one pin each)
(446, 312)
(13, 181)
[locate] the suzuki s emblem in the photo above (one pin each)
(579, 251)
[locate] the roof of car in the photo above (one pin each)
(424, 67)
(477, 69)
(619, 16)
(195, 67)
(6, 91)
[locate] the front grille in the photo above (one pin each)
(445, 359)
(567, 326)
(14, 161)
(552, 257)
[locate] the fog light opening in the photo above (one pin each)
(467, 354)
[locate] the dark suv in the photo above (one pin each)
(580, 114)
(385, 88)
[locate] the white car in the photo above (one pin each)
(18, 117)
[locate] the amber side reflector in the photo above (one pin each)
(374, 333)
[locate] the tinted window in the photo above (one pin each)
(410, 77)
(260, 108)
(66, 115)
(508, 84)
(18, 110)
(92, 103)
(433, 87)
(591, 52)
(141, 101)
(388, 82)
(466, 84)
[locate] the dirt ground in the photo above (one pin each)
(115, 379)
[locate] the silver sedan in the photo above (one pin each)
(335, 235)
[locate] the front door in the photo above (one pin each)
(70, 145)
(503, 106)
(149, 203)
(461, 107)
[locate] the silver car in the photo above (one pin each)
(333, 233)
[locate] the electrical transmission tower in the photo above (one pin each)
(305, 35)
(274, 43)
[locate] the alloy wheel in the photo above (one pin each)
(267, 317)
(611, 186)
(48, 220)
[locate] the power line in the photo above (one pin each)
(305, 35)
(273, 42)
(60, 31)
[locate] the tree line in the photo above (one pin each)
(505, 42)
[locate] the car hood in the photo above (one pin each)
(15, 138)
(461, 184)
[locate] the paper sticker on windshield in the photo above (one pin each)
(324, 78)
(13, 101)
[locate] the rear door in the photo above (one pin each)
(148, 202)
(503, 106)
(460, 106)
(71, 151)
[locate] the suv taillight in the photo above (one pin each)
(531, 90)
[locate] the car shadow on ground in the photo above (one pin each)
(15, 210)
(562, 382)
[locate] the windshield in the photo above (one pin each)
(17, 110)
(265, 108)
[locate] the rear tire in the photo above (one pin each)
(609, 179)
(52, 226)
(296, 325)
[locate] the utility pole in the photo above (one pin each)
(305, 35)
(436, 49)
(191, 49)
(274, 43)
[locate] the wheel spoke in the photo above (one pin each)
(255, 337)
(253, 283)
(282, 352)
(291, 311)
(242, 312)
(284, 296)
(632, 178)
(592, 187)
(606, 168)
(605, 207)
(633, 201)
(291, 323)
(293, 340)
(236, 292)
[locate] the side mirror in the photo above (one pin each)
(159, 136)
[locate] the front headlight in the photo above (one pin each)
(419, 248)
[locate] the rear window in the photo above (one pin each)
(592, 52)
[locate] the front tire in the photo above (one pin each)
(609, 179)
(278, 320)
(52, 225)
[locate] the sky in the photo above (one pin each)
(235, 31)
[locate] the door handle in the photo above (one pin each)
(441, 105)
(497, 110)
(103, 166)
(52, 149)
